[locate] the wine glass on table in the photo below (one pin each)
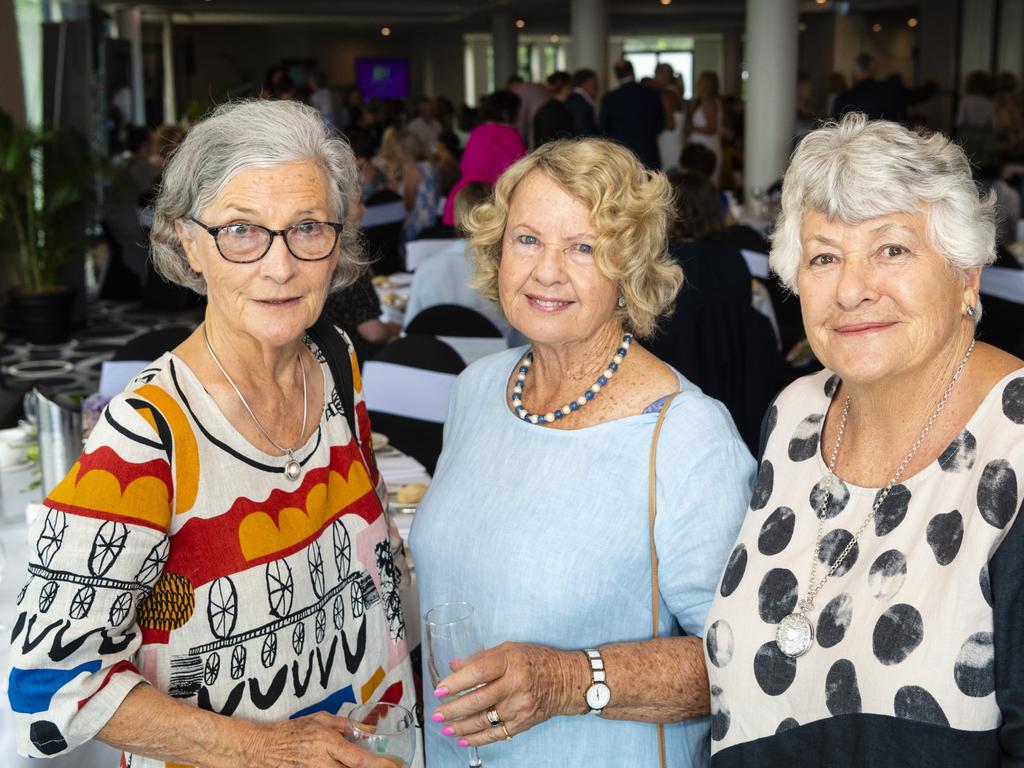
(385, 730)
(451, 636)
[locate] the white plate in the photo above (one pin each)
(379, 440)
(400, 279)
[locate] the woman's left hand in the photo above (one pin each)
(525, 684)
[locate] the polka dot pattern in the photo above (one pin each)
(763, 486)
(776, 531)
(804, 443)
(900, 630)
(842, 696)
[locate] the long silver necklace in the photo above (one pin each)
(291, 468)
(795, 634)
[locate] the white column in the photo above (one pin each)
(771, 90)
(170, 103)
(504, 42)
(589, 29)
(130, 28)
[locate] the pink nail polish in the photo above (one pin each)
(463, 743)
(448, 731)
(437, 717)
(441, 692)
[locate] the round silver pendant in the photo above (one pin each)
(292, 469)
(794, 635)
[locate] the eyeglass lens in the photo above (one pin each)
(246, 242)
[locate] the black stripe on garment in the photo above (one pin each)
(859, 740)
(227, 448)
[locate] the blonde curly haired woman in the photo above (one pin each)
(538, 514)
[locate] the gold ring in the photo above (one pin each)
(508, 736)
(492, 717)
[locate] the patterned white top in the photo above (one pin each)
(176, 553)
(904, 629)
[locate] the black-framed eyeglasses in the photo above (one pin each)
(243, 243)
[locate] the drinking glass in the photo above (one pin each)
(451, 636)
(386, 730)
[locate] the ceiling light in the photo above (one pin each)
(554, 38)
(666, 2)
(911, 22)
(385, 31)
(821, 2)
(520, 23)
(876, 27)
(801, 27)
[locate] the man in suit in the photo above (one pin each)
(553, 121)
(633, 115)
(879, 99)
(581, 102)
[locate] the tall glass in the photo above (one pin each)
(451, 636)
(386, 730)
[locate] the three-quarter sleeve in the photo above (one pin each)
(95, 552)
(704, 479)
(1006, 582)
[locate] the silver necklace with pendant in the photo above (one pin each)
(291, 467)
(795, 634)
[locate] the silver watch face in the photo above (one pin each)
(598, 696)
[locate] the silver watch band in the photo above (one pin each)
(597, 674)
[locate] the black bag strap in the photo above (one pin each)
(335, 350)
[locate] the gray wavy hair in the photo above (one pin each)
(239, 136)
(857, 169)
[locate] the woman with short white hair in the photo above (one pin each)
(869, 613)
(214, 581)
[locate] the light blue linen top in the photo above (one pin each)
(545, 533)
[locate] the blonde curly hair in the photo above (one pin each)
(630, 207)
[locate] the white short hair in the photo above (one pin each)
(856, 170)
(239, 136)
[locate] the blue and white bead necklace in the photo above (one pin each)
(575, 405)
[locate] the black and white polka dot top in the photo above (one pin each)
(918, 651)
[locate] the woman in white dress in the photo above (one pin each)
(670, 140)
(705, 124)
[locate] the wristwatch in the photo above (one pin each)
(598, 694)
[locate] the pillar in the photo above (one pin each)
(504, 42)
(130, 28)
(771, 90)
(589, 30)
(170, 101)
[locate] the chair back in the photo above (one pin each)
(407, 387)
(382, 230)
(452, 320)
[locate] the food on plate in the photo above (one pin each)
(410, 493)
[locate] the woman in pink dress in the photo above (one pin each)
(492, 146)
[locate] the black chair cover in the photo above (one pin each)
(452, 320)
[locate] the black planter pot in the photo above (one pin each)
(45, 316)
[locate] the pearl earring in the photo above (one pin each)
(622, 302)
(969, 311)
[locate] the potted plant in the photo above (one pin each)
(45, 177)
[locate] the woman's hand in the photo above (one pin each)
(315, 741)
(525, 684)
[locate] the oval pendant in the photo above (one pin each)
(292, 469)
(794, 635)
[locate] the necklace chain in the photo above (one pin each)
(814, 587)
(287, 451)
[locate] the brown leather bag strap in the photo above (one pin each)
(652, 511)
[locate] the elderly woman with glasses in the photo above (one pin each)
(871, 610)
(539, 513)
(214, 582)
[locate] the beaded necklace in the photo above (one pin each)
(574, 405)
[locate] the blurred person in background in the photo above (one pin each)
(582, 102)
